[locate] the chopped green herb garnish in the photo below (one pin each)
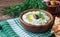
(40, 15)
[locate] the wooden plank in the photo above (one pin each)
(6, 3)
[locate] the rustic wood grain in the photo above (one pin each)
(7, 3)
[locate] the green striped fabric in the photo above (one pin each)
(7, 29)
(2, 34)
(13, 28)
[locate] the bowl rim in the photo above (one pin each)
(52, 6)
(49, 14)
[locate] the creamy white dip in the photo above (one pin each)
(29, 18)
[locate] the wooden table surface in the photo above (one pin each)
(7, 3)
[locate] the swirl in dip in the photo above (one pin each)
(36, 18)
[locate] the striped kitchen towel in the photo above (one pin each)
(13, 28)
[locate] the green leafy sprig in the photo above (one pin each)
(16, 9)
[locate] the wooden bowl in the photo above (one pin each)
(34, 28)
(53, 9)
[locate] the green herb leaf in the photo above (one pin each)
(40, 15)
